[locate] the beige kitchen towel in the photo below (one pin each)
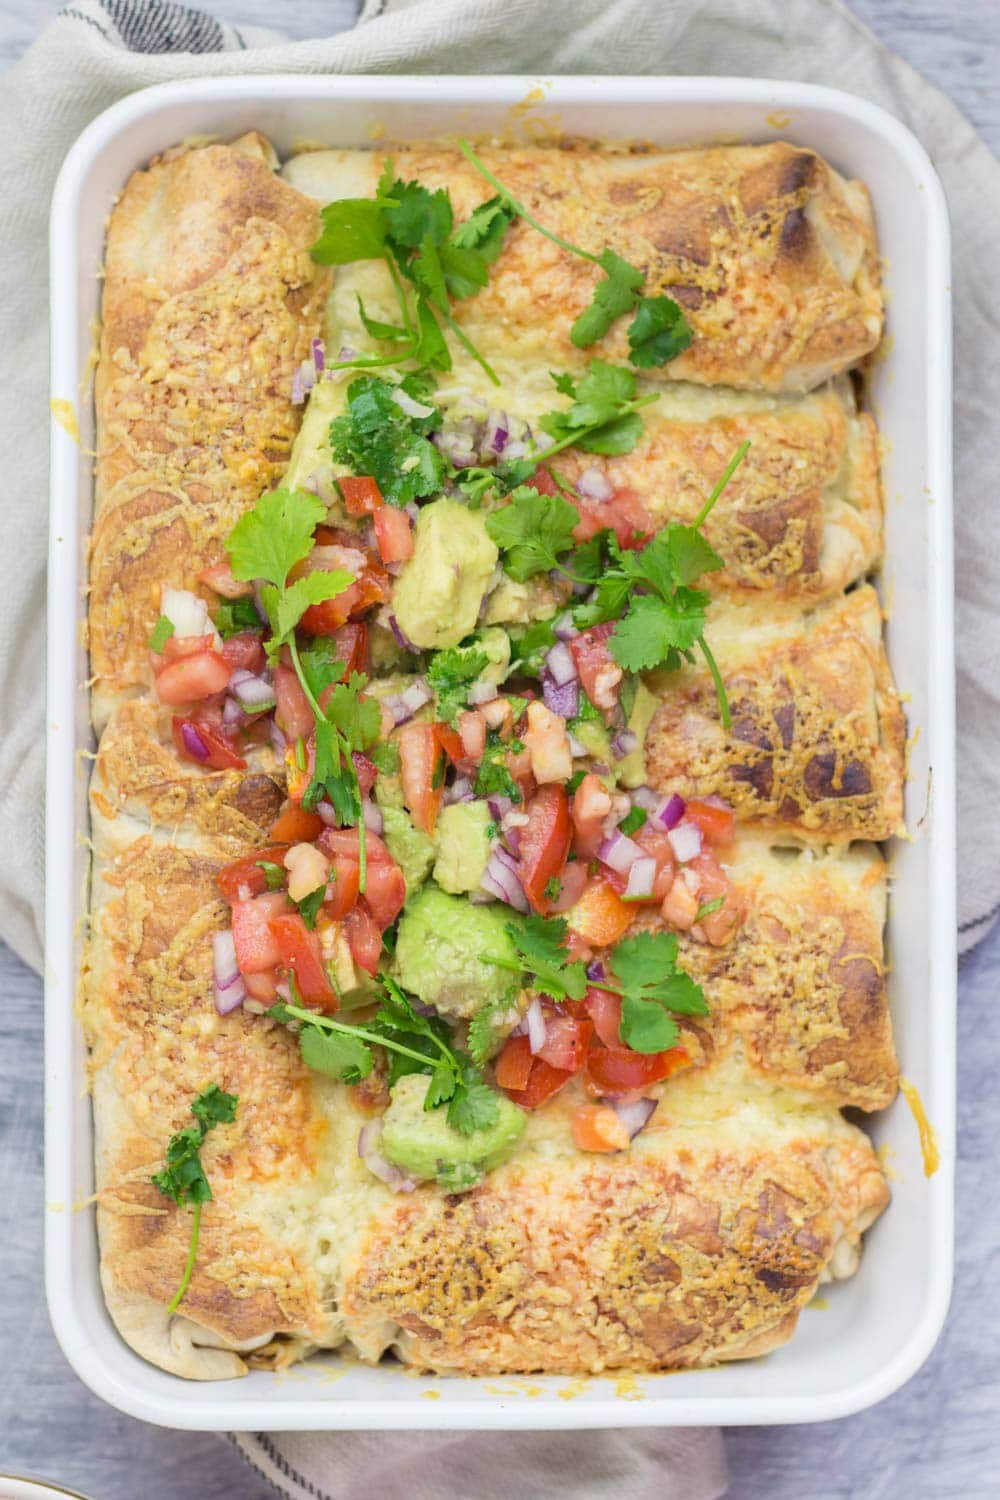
(94, 53)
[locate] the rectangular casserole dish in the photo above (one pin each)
(873, 1331)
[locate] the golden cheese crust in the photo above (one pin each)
(701, 1245)
(770, 252)
(210, 301)
(748, 1188)
(817, 743)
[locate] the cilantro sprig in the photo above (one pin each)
(376, 436)
(653, 989)
(413, 231)
(604, 417)
(183, 1178)
(542, 956)
(451, 673)
(415, 1044)
(266, 544)
(659, 330)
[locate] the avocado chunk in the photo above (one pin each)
(463, 846)
(631, 769)
(311, 461)
(421, 1142)
(439, 591)
(412, 850)
(441, 943)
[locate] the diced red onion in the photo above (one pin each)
(501, 879)
(560, 663)
(457, 445)
(193, 742)
(459, 791)
(413, 511)
(326, 812)
(404, 705)
(279, 744)
(564, 700)
(303, 381)
(499, 806)
(564, 628)
(497, 433)
(406, 404)
(535, 1022)
(572, 882)
(647, 799)
(623, 743)
(318, 356)
(232, 714)
(594, 484)
(374, 821)
(619, 852)
(685, 840)
(401, 640)
(254, 694)
(575, 748)
(513, 837)
(284, 990)
(186, 612)
(640, 879)
(635, 1114)
(344, 353)
(518, 449)
(670, 814)
(230, 990)
(596, 971)
(369, 1138)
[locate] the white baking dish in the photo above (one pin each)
(875, 1330)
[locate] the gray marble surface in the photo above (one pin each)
(937, 1439)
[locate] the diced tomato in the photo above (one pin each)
(366, 771)
(257, 946)
(419, 768)
(543, 482)
(567, 1039)
(717, 824)
(362, 496)
(245, 650)
(394, 535)
(385, 892)
(294, 825)
(596, 1127)
(177, 646)
(451, 742)
(192, 678)
(261, 987)
(364, 939)
(624, 513)
(599, 672)
(600, 917)
(351, 641)
(219, 577)
(544, 844)
(719, 925)
(472, 729)
(513, 1066)
(572, 883)
(299, 953)
(246, 874)
(221, 754)
(591, 805)
(605, 1010)
(543, 1081)
(342, 843)
(292, 715)
(370, 586)
(619, 1070)
(345, 879)
(680, 905)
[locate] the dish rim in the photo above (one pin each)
(187, 1406)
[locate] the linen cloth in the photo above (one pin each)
(96, 52)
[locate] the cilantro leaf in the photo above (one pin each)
(604, 417)
(493, 779)
(162, 631)
(417, 214)
(353, 229)
(619, 435)
(234, 616)
(450, 673)
(335, 1053)
(475, 1106)
(655, 630)
(183, 1178)
(527, 650)
(269, 540)
(309, 906)
(287, 606)
(617, 293)
(441, 1087)
(375, 436)
(690, 554)
(541, 945)
(485, 228)
(483, 1036)
(274, 875)
(658, 332)
(321, 666)
(358, 719)
(532, 530)
(652, 987)
(378, 329)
